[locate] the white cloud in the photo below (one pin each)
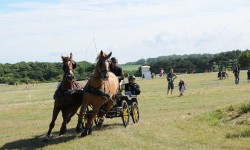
(131, 29)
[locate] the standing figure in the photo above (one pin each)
(248, 75)
(238, 68)
(236, 75)
(182, 87)
(161, 72)
(170, 77)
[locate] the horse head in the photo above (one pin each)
(68, 66)
(102, 64)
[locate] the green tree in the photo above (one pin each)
(244, 59)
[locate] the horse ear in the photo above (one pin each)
(109, 55)
(71, 56)
(62, 57)
(101, 53)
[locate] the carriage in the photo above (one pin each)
(124, 107)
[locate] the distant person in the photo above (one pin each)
(248, 75)
(161, 72)
(238, 68)
(219, 75)
(170, 78)
(132, 88)
(153, 75)
(115, 69)
(236, 75)
(182, 87)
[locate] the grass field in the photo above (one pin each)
(166, 121)
(129, 67)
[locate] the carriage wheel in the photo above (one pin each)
(135, 112)
(125, 113)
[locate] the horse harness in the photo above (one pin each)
(98, 92)
(60, 92)
(67, 92)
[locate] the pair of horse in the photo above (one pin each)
(102, 80)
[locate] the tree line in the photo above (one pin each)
(198, 63)
(36, 72)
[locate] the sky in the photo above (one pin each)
(43, 30)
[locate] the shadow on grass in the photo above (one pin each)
(244, 134)
(173, 96)
(108, 126)
(36, 142)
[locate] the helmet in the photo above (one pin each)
(113, 59)
(131, 77)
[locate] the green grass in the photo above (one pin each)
(193, 121)
(130, 67)
(238, 114)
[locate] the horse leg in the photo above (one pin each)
(80, 117)
(102, 116)
(65, 114)
(72, 112)
(88, 129)
(52, 124)
(74, 108)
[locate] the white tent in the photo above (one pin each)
(146, 74)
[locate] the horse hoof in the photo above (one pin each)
(84, 133)
(62, 132)
(100, 125)
(46, 139)
(90, 131)
(78, 130)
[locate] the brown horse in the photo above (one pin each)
(101, 89)
(68, 97)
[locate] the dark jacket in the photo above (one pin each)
(117, 71)
(181, 84)
(236, 72)
(134, 88)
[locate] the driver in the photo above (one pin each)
(115, 69)
(132, 88)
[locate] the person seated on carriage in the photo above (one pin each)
(116, 70)
(132, 88)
